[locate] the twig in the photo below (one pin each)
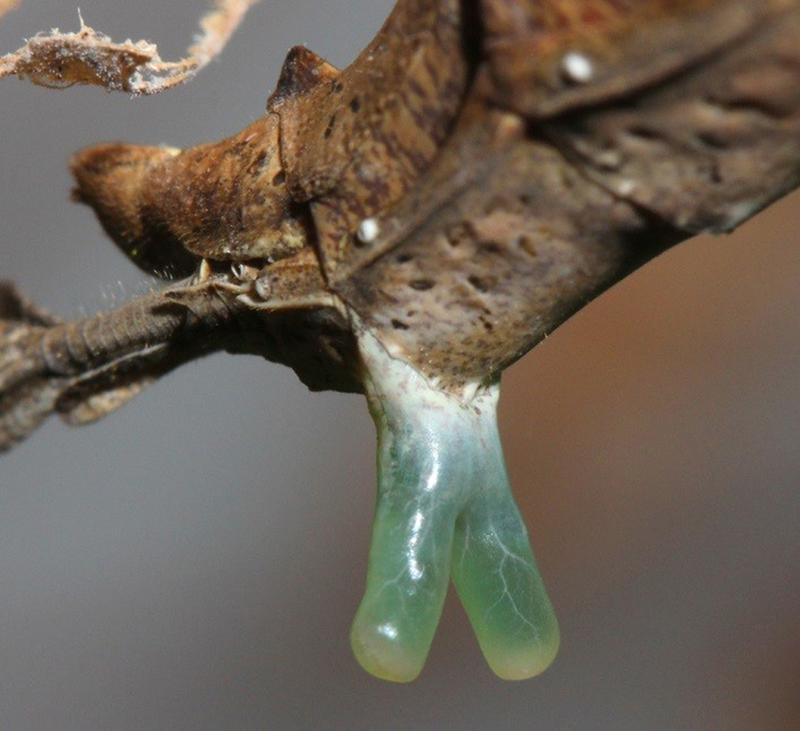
(59, 60)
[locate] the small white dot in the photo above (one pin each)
(368, 231)
(577, 67)
(625, 188)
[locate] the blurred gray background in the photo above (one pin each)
(194, 561)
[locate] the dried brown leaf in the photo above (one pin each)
(59, 60)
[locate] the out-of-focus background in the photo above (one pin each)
(194, 561)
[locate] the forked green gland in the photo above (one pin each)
(444, 509)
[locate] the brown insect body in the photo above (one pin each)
(501, 191)
(630, 44)
(225, 201)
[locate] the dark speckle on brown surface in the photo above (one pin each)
(498, 199)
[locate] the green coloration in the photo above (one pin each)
(499, 585)
(409, 562)
(445, 507)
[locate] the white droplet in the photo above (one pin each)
(577, 67)
(625, 188)
(368, 230)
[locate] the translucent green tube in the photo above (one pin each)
(445, 507)
(500, 587)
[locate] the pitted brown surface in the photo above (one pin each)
(478, 284)
(709, 150)
(500, 196)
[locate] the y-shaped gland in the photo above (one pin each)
(445, 510)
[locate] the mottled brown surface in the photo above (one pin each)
(224, 201)
(490, 226)
(114, 179)
(531, 240)
(498, 268)
(526, 41)
(708, 150)
(651, 442)
(356, 144)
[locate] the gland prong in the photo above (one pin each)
(445, 508)
(499, 585)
